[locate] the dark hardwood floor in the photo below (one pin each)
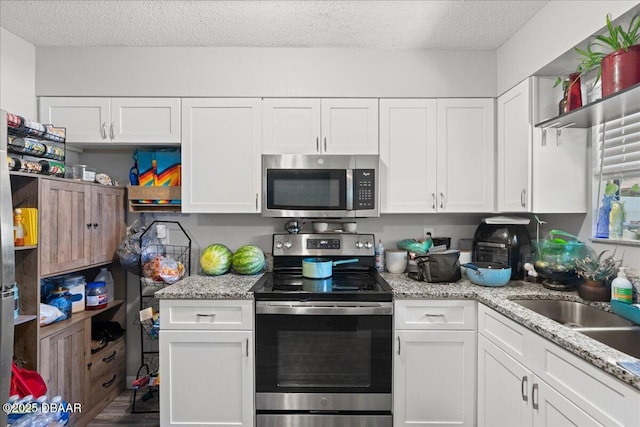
(118, 413)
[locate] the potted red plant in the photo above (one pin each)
(620, 68)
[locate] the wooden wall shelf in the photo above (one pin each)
(139, 192)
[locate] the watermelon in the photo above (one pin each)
(215, 259)
(248, 259)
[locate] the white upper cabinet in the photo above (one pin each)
(221, 155)
(408, 141)
(538, 171)
(91, 121)
(320, 126)
(514, 149)
(437, 155)
(466, 151)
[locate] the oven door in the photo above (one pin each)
(325, 356)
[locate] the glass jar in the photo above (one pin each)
(96, 296)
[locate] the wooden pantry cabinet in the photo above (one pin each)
(92, 121)
(80, 226)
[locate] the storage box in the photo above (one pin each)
(30, 223)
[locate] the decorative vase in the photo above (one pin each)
(616, 219)
(620, 69)
(562, 106)
(602, 228)
(574, 95)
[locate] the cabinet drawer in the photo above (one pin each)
(206, 314)
(105, 387)
(503, 332)
(110, 358)
(435, 314)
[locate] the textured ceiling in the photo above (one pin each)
(441, 24)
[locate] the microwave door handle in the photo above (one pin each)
(349, 189)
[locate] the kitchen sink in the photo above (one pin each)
(575, 314)
(624, 340)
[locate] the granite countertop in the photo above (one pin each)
(233, 286)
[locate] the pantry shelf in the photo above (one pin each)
(152, 195)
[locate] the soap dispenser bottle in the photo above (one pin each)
(621, 288)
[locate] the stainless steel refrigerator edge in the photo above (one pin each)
(8, 268)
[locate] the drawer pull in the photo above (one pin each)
(109, 358)
(434, 315)
(110, 382)
(205, 315)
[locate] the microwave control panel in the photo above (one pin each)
(364, 189)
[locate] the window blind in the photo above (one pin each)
(619, 148)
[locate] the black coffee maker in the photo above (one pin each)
(508, 244)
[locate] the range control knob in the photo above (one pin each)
(368, 245)
(287, 244)
(279, 245)
(359, 244)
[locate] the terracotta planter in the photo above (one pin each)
(620, 69)
(593, 283)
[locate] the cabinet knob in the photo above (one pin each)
(89, 226)
(95, 225)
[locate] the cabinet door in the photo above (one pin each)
(62, 365)
(87, 120)
(145, 120)
(349, 126)
(514, 149)
(207, 378)
(291, 126)
(434, 378)
(65, 226)
(108, 222)
(554, 410)
(504, 388)
(466, 151)
(221, 155)
(408, 155)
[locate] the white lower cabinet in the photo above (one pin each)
(206, 363)
(526, 380)
(434, 365)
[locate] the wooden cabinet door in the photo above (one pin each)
(221, 155)
(408, 155)
(107, 222)
(504, 388)
(434, 378)
(145, 120)
(87, 120)
(290, 126)
(207, 378)
(65, 226)
(466, 151)
(514, 133)
(349, 126)
(62, 365)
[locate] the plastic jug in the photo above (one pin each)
(106, 277)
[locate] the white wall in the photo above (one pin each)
(17, 75)
(286, 72)
(555, 30)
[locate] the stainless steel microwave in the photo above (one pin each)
(317, 186)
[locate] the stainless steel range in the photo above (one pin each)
(323, 346)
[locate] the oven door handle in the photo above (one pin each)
(324, 309)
